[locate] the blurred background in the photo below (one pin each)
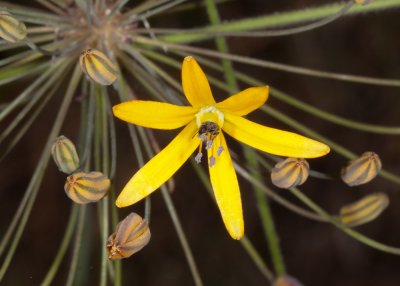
(315, 253)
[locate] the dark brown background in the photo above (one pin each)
(315, 253)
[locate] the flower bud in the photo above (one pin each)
(11, 29)
(362, 170)
(286, 281)
(85, 188)
(132, 235)
(364, 210)
(64, 155)
(290, 173)
(98, 67)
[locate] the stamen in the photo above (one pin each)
(219, 150)
(198, 157)
(209, 144)
(212, 161)
(202, 137)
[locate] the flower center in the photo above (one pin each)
(209, 120)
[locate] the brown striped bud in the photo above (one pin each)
(11, 29)
(132, 235)
(364, 210)
(290, 173)
(98, 67)
(64, 155)
(362, 170)
(286, 281)
(85, 188)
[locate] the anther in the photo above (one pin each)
(198, 157)
(219, 150)
(212, 161)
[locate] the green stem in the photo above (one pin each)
(270, 64)
(266, 216)
(37, 177)
(77, 246)
(333, 145)
(63, 247)
(335, 221)
(222, 46)
(181, 234)
(115, 219)
(330, 117)
(245, 242)
(255, 256)
(291, 18)
(326, 217)
(103, 136)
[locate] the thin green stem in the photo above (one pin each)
(51, 273)
(330, 117)
(114, 219)
(222, 46)
(255, 256)
(77, 246)
(271, 65)
(333, 145)
(266, 215)
(349, 231)
(280, 19)
(268, 33)
(37, 177)
(105, 201)
(174, 216)
(181, 235)
(245, 242)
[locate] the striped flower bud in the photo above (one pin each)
(364, 210)
(85, 188)
(11, 29)
(64, 155)
(132, 235)
(290, 173)
(286, 281)
(98, 67)
(362, 170)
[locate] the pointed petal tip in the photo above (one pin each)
(325, 149)
(121, 203)
(236, 232)
(188, 59)
(116, 109)
(318, 150)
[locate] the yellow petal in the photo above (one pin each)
(195, 84)
(154, 114)
(272, 140)
(245, 101)
(161, 167)
(226, 189)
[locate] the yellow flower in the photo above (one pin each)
(204, 120)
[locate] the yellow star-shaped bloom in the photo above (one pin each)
(204, 122)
